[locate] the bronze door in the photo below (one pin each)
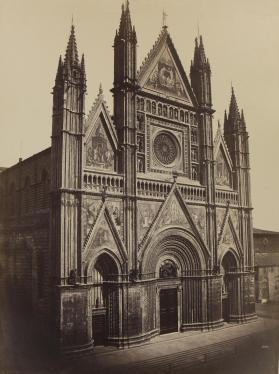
(168, 311)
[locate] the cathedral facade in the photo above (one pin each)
(135, 224)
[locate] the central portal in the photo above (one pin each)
(168, 311)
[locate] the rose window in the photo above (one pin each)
(165, 148)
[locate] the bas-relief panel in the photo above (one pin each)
(198, 215)
(91, 208)
(222, 171)
(99, 152)
(146, 215)
(165, 77)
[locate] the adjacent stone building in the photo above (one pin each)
(135, 224)
(266, 265)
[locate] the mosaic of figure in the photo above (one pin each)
(100, 153)
(223, 175)
(116, 214)
(103, 235)
(198, 216)
(165, 77)
(91, 208)
(173, 214)
(147, 213)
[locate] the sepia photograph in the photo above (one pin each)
(139, 209)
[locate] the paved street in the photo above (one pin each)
(240, 348)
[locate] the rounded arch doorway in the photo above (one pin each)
(105, 299)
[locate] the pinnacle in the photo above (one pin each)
(125, 27)
(71, 56)
(233, 111)
(199, 54)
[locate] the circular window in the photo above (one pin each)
(165, 148)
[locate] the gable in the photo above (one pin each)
(173, 213)
(228, 238)
(223, 174)
(163, 73)
(165, 77)
(103, 234)
(99, 150)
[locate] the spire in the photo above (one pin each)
(234, 116)
(125, 28)
(71, 56)
(199, 53)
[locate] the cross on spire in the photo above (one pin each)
(164, 21)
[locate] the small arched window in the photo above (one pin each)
(160, 109)
(148, 106)
(171, 112)
(168, 269)
(181, 116)
(153, 107)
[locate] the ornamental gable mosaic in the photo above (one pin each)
(147, 212)
(165, 77)
(174, 215)
(223, 174)
(99, 152)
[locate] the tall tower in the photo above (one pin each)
(66, 158)
(73, 330)
(124, 91)
(200, 75)
(237, 140)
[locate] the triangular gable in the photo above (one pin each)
(104, 234)
(100, 111)
(173, 212)
(100, 138)
(163, 72)
(223, 162)
(228, 237)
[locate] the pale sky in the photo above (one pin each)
(241, 40)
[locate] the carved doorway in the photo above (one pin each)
(168, 311)
(228, 266)
(105, 299)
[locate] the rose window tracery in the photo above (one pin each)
(165, 148)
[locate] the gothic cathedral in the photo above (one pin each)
(135, 224)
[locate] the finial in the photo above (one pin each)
(198, 27)
(164, 22)
(100, 89)
(72, 20)
(219, 125)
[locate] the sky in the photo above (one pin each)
(241, 39)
